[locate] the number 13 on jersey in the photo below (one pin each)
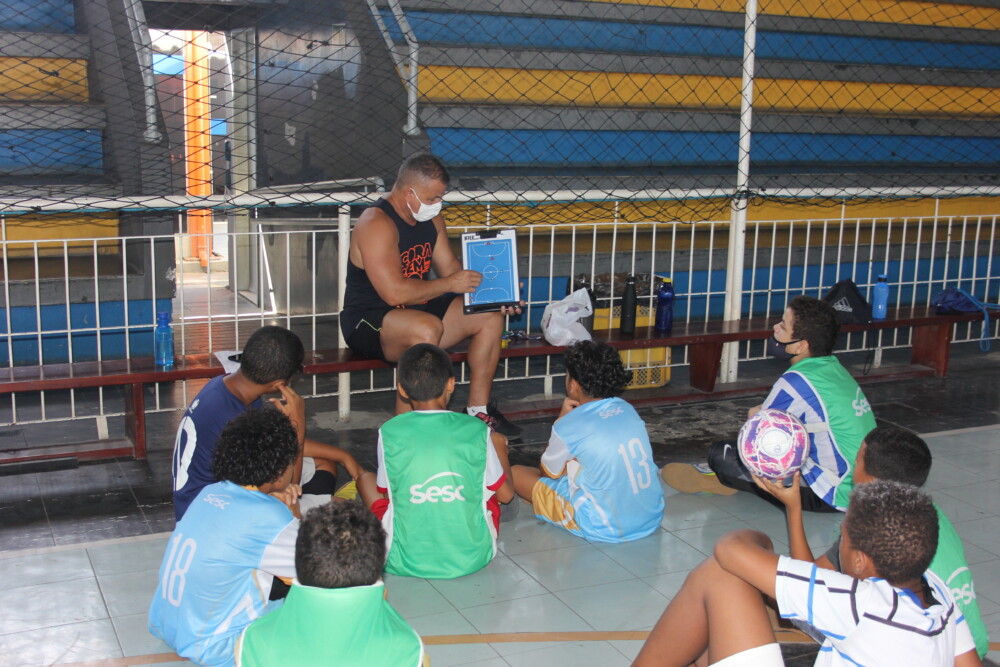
(640, 476)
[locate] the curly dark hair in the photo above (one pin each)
(815, 322)
(340, 545)
(272, 353)
(255, 448)
(424, 370)
(896, 525)
(422, 165)
(598, 368)
(896, 454)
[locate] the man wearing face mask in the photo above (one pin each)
(392, 303)
(821, 393)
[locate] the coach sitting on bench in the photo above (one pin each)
(391, 303)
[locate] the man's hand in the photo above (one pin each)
(754, 410)
(294, 408)
(512, 310)
(790, 497)
(463, 282)
(568, 405)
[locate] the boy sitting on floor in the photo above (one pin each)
(884, 610)
(237, 535)
(271, 357)
(894, 454)
(440, 474)
(599, 477)
(336, 612)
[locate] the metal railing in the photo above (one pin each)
(77, 299)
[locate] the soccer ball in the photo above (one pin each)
(773, 444)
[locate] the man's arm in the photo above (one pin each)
(748, 555)
(377, 241)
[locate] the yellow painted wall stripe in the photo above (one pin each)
(43, 80)
(444, 84)
(22, 230)
(880, 11)
(716, 209)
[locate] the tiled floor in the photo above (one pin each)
(72, 595)
(86, 602)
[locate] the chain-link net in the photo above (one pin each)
(633, 107)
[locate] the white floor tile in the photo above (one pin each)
(73, 642)
(626, 605)
(49, 605)
(574, 567)
(502, 579)
(47, 568)
(415, 597)
(128, 593)
(541, 613)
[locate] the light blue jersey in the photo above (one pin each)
(602, 483)
(217, 572)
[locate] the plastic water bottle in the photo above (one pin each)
(163, 341)
(665, 306)
(880, 301)
(629, 304)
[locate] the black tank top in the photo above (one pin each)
(416, 248)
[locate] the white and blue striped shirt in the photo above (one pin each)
(868, 622)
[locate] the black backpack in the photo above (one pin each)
(846, 299)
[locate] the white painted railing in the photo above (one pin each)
(287, 273)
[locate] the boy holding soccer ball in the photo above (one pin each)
(894, 454)
(885, 609)
(817, 390)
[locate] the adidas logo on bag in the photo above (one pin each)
(843, 305)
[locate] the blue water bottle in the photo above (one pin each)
(665, 306)
(163, 341)
(880, 301)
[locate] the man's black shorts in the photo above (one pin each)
(362, 330)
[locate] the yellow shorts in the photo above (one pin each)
(552, 506)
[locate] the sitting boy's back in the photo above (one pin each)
(610, 478)
(597, 478)
(336, 612)
(440, 476)
(442, 516)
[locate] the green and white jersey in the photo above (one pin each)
(829, 402)
(440, 472)
(949, 564)
(331, 626)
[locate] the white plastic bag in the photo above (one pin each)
(560, 321)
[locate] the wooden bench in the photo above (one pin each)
(931, 346)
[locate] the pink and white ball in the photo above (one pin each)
(773, 444)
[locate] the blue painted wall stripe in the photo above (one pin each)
(635, 147)
(37, 16)
(708, 41)
(37, 152)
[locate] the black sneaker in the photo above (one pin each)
(496, 421)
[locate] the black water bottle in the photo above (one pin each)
(629, 303)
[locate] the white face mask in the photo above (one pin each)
(426, 211)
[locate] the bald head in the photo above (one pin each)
(420, 168)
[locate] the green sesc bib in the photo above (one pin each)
(435, 463)
(331, 626)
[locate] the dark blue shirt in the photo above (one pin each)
(209, 412)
